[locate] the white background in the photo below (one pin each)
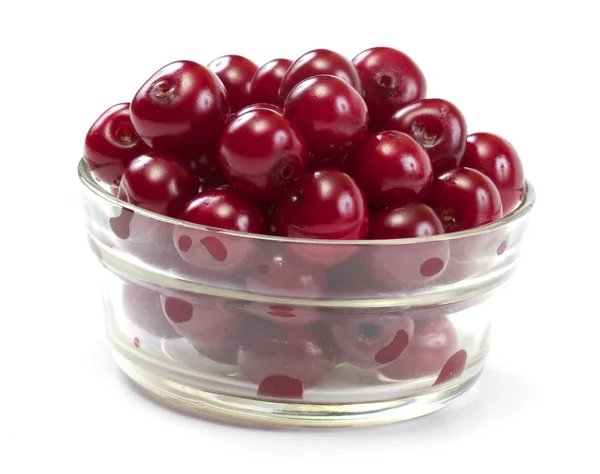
(527, 72)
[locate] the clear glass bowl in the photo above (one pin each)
(290, 332)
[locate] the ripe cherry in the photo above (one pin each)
(330, 114)
(206, 167)
(111, 143)
(465, 198)
(259, 106)
(438, 126)
(181, 109)
(236, 73)
(390, 80)
(315, 63)
(267, 80)
(498, 160)
(261, 153)
(390, 167)
(142, 307)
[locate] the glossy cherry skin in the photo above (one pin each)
(261, 153)
(259, 106)
(267, 80)
(223, 209)
(181, 109)
(301, 354)
(158, 182)
(390, 80)
(315, 63)
(408, 266)
(465, 198)
(142, 307)
(390, 167)
(433, 342)
(498, 160)
(206, 167)
(324, 204)
(438, 126)
(236, 73)
(277, 272)
(111, 143)
(330, 114)
(372, 341)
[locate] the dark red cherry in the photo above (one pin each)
(181, 109)
(111, 143)
(142, 307)
(302, 355)
(465, 198)
(330, 114)
(315, 63)
(390, 167)
(259, 106)
(372, 341)
(404, 266)
(261, 153)
(236, 73)
(158, 182)
(324, 204)
(224, 209)
(206, 167)
(390, 80)
(265, 83)
(434, 340)
(438, 126)
(316, 163)
(498, 160)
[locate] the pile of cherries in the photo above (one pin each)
(318, 148)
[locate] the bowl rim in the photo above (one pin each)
(526, 205)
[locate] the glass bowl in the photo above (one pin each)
(290, 332)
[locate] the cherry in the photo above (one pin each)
(401, 266)
(259, 106)
(372, 341)
(223, 209)
(301, 354)
(390, 167)
(325, 204)
(315, 63)
(498, 160)
(111, 143)
(267, 80)
(276, 272)
(316, 163)
(158, 182)
(390, 80)
(261, 153)
(433, 342)
(212, 328)
(330, 114)
(453, 367)
(206, 167)
(181, 109)
(236, 73)
(142, 307)
(438, 126)
(465, 198)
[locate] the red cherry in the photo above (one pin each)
(259, 106)
(330, 114)
(142, 307)
(316, 163)
(111, 143)
(453, 367)
(390, 167)
(181, 109)
(325, 204)
(315, 63)
(158, 182)
(465, 198)
(223, 209)
(406, 266)
(438, 126)
(267, 80)
(277, 273)
(498, 160)
(372, 341)
(261, 153)
(206, 167)
(301, 354)
(390, 80)
(236, 73)
(434, 341)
